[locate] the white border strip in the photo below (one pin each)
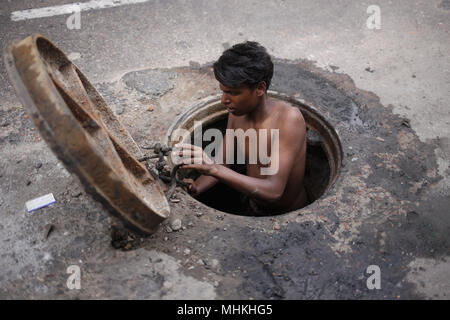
(69, 8)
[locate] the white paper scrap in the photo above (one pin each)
(40, 202)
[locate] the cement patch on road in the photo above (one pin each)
(152, 82)
(431, 277)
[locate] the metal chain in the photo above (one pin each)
(159, 170)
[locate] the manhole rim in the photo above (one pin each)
(212, 100)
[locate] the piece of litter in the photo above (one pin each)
(380, 139)
(354, 159)
(40, 202)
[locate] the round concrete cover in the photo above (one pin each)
(84, 133)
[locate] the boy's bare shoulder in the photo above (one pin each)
(290, 115)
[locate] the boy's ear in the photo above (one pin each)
(261, 88)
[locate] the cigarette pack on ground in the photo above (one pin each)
(40, 202)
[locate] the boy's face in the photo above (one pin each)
(241, 100)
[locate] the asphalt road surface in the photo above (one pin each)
(404, 62)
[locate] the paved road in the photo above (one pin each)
(405, 63)
(408, 53)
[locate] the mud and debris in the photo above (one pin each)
(384, 209)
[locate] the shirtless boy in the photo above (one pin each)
(244, 73)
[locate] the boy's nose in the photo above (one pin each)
(225, 100)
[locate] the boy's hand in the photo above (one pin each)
(192, 188)
(193, 157)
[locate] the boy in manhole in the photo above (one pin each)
(255, 122)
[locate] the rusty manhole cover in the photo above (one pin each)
(84, 133)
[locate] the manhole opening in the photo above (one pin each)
(323, 155)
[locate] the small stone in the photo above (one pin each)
(201, 262)
(166, 238)
(38, 165)
(167, 285)
(173, 200)
(380, 139)
(216, 284)
(187, 251)
(199, 214)
(76, 193)
(276, 226)
(168, 229)
(214, 263)
(190, 224)
(74, 56)
(150, 108)
(176, 225)
(119, 110)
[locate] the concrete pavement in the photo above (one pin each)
(405, 63)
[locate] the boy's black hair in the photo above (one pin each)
(244, 63)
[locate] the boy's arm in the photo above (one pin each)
(270, 188)
(206, 182)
